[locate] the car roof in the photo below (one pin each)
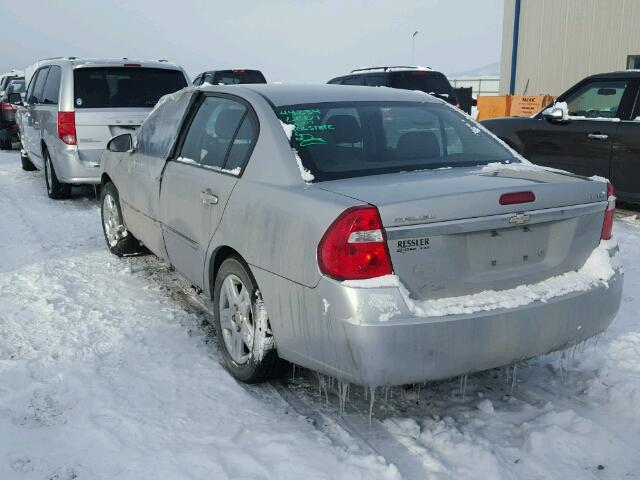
(82, 62)
(618, 74)
(288, 94)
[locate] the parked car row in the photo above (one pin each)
(374, 234)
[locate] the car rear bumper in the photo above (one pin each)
(71, 169)
(369, 336)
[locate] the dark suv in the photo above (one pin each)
(423, 79)
(230, 77)
(8, 126)
(592, 129)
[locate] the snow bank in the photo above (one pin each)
(105, 374)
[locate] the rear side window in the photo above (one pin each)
(157, 135)
(351, 139)
(51, 90)
(353, 81)
(122, 87)
(234, 77)
(425, 81)
(212, 131)
(35, 94)
(375, 80)
(16, 86)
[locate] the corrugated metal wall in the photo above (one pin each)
(563, 41)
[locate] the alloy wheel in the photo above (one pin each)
(236, 319)
(111, 220)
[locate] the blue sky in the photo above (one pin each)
(290, 40)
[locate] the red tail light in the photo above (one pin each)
(458, 103)
(607, 225)
(133, 65)
(355, 246)
(517, 197)
(67, 127)
(7, 107)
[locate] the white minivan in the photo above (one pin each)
(74, 106)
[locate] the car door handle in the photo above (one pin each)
(598, 136)
(208, 198)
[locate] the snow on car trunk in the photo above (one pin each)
(461, 231)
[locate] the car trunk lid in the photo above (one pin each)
(449, 235)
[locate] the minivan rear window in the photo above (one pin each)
(120, 87)
(423, 80)
(352, 139)
(234, 77)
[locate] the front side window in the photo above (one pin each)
(375, 80)
(599, 99)
(212, 131)
(351, 139)
(52, 86)
(36, 94)
(124, 87)
(157, 134)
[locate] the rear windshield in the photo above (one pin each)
(233, 77)
(352, 139)
(16, 86)
(425, 81)
(116, 87)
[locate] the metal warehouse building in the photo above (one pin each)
(548, 45)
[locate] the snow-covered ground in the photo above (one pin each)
(107, 372)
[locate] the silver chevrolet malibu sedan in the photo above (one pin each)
(377, 235)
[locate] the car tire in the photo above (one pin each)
(5, 144)
(27, 166)
(55, 189)
(119, 240)
(239, 309)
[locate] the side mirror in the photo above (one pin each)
(15, 99)
(121, 143)
(554, 114)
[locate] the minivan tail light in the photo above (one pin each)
(607, 224)
(67, 127)
(517, 197)
(354, 247)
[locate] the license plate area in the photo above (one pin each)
(507, 248)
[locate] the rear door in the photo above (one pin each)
(198, 181)
(583, 143)
(625, 160)
(109, 101)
